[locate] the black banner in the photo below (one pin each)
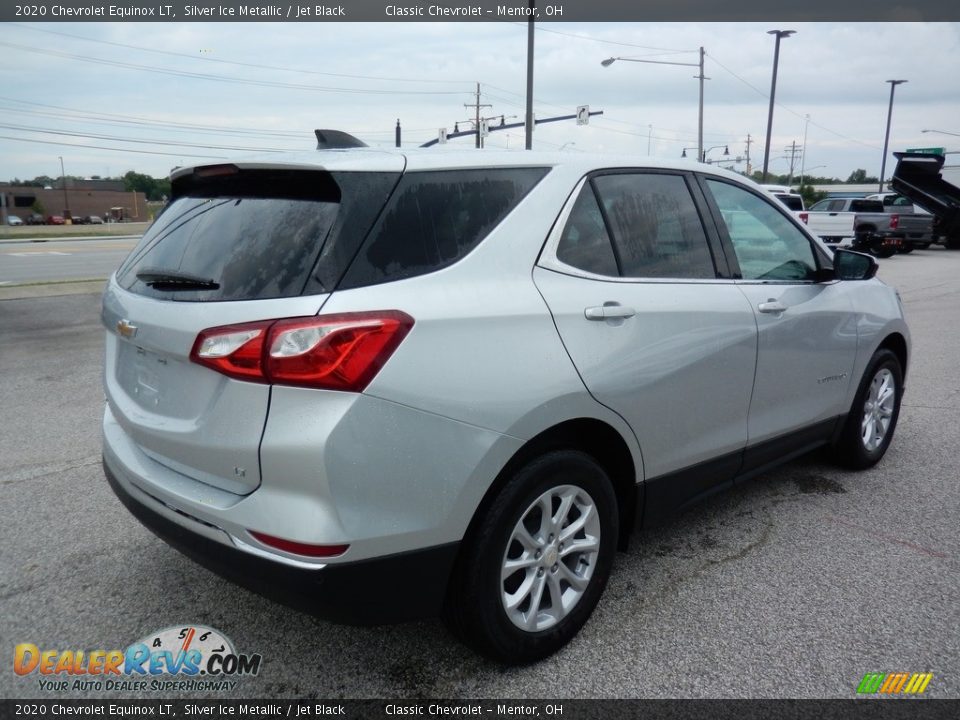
(892, 709)
(476, 11)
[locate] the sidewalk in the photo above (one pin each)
(46, 233)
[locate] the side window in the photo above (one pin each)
(768, 246)
(656, 227)
(585, 243)
(820, 206)
(435, 218)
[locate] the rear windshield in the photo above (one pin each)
(793, 202)
(435, 218)
(251, 235)
(866, 206)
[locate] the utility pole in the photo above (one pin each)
(63, 179)
(793, 151)
(749, 166)
(476, 106)
(803, 157)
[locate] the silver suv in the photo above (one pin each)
(382, 385)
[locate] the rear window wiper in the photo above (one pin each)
(173, 280)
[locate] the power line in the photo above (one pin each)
(790, 110)
(259, 66)
(101, 147)
(143, 141)
(670, 51)
(225, 78)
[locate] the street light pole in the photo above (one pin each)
(528, 129)
(63, 180)
(699, 65)
(700, 115)
(886, 137)
(773, 92)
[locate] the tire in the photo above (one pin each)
(952, 243)
(882, 251)
(905, 249)
(494, 610)
(869, 428)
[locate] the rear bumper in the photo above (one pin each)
(393, 588)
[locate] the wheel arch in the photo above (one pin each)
(594, 437)
(897, 344)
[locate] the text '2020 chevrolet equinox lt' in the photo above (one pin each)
(386, 384)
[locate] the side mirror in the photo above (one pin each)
(850, 265)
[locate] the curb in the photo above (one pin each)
(52, 289)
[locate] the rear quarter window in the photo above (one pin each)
(433, 219)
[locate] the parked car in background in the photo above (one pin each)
(920, 229)
(389, 384)
(94, 220)
(793, 200)
(865, 225)
(14, 220)
(55, 220)
(78, 219)
(36, 219)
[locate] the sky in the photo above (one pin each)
(113, 97)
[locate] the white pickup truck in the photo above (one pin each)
(867, 225)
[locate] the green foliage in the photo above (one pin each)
(860, 177)
(153, 188)
(810, 196)
(38, 208)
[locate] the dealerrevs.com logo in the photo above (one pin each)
(189, 658)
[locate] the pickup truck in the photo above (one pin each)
(932, 185)
(866, 225)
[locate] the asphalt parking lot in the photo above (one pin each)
(793, 585)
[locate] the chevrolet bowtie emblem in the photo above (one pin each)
(126, 328)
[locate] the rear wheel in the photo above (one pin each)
(534, 567)
(905, 249)
(873, 418)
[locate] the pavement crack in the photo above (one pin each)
(38, 471)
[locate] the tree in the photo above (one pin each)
(860, 177)
(153, 188)
(810, 196)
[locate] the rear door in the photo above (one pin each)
(233, 246)
(657, 333)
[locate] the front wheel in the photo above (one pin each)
(873, 418)
(534, 567)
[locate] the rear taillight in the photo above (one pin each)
(332, 352)
(894, 222)
(803, 217)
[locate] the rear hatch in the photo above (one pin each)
(235, 245)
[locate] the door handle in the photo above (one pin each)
(610, 311)
(771, 306)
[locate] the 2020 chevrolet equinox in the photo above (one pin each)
(388, 384)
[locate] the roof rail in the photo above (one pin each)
(332, 139)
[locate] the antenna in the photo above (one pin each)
(334, 139)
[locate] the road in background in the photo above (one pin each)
(795, 584)
(57, 260)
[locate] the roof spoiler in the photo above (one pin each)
(333, 139)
